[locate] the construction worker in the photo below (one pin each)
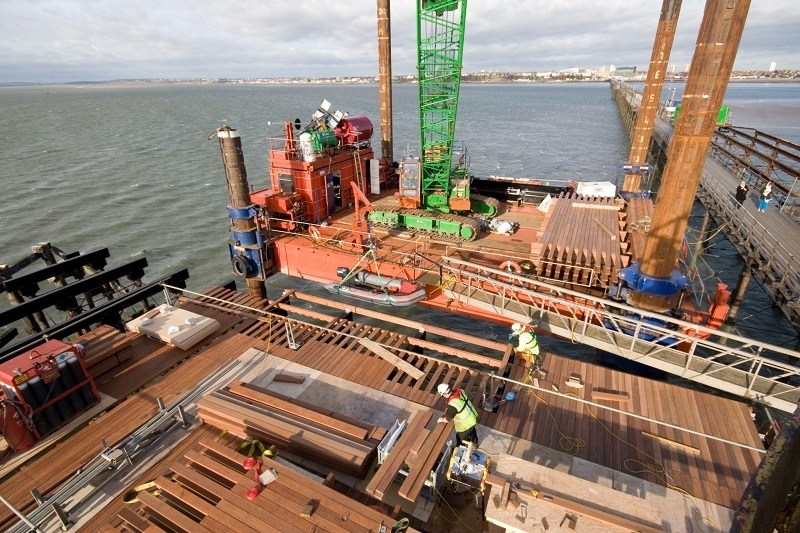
(528, 347)
(461, 411)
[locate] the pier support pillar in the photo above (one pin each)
(712, 63)
(30, 323)
(385, 79)
(648, 109)
(248, 253)
(738, 292)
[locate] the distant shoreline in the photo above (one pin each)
(118, 84)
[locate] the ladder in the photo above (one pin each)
(359, 173)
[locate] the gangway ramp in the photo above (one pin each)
(724, 361)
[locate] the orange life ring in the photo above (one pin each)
(511, 266)
(314, 232)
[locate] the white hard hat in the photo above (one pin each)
(443, 388)
(516, 327)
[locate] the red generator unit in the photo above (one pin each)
(44, 389)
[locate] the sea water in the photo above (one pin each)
(131, 166)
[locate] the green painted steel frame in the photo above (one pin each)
(439, 62)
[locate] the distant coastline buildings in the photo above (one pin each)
(571, 74)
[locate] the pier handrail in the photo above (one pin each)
(783, 266)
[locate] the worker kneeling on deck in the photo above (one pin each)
(461, 411)
(528, 347)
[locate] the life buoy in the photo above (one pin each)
(240, 266)
(511, 266)
(314, 232)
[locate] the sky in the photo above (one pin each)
(53, 41)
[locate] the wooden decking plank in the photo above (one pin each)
(259, 413)
(397, 455)
(133, 520)
(168, 514)
(434, 372)
(241, 510)
(403, 383)
(328, 363)
(326, 417)
(266, 510)
(717, 474)
(523, 411)
(401, 364)
(360, 514)
(726, 454)
(689, 466)
(739, 416)
(352, 366)
(643, 446)
(365, 365)
(568, 408)
(276, 515)
(391, 371)
(413, 484)
(325, 444)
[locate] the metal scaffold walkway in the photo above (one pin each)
(724, 361)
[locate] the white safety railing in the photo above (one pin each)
(725, 361)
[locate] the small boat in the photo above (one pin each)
(377, 289)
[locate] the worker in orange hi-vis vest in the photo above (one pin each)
(528, 348)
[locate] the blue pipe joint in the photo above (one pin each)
(246, 248)
(639, 282)
(242, 213)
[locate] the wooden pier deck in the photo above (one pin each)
(707, 469)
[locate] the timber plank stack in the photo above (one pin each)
(417, 449)
(78, 448)
(206, 490)
(580, 244)
(331, 439)
(104, 348)
(638, 216)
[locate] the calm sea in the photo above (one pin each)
(131, 167)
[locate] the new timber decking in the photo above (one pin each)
(203, 488)
(711, 470)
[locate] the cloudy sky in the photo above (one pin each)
(93, 40)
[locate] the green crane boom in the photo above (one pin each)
(433, 190)
(440, 45)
